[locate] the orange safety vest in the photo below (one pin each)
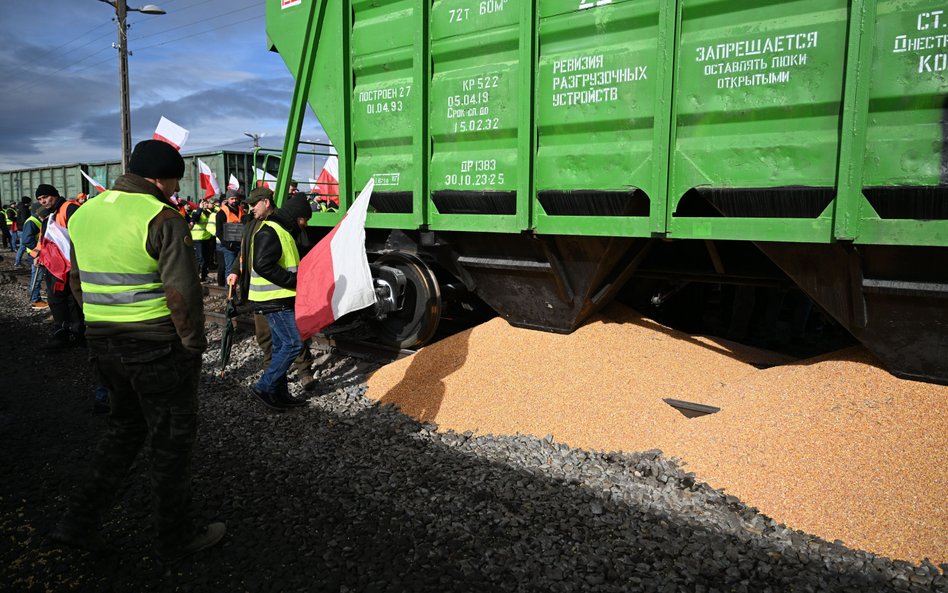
(61, 214)
(231, 217)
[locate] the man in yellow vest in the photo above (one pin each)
(134, 274)
(272, 289)
(202, 237)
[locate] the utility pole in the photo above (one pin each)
(121, 10)
(255, 137)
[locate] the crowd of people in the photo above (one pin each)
(123, 275)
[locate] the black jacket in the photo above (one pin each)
(22, 213)
(267, 251)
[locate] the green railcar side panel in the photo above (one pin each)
(905, 135)
(599, 109)
(474, 106)
(385, 99)
(758, 97)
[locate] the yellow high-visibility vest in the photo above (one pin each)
(120, 281)
(262, 289)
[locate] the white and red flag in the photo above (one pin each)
(99, 187)
(233, 183)
(208, 181)
(170, 132)
(334, 277)
(54, 252)
(328, 181)
(264, 178)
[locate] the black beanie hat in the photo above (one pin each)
(25, 200)
(45, 189)
(297, 207)
(155, 159)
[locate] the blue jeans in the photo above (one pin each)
(15, 240)
(229, 257)
(21, 249)
(36, 279)
(286, 347)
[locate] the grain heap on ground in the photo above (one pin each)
(834, 446)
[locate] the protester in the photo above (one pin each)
(11, 213)
(202, 237)
(229, 228)
(133, 271)
(271, 289)
(31, 235)
(68, 324)
(22, 213)
(5, 228)
(303, 363)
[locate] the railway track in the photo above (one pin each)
(368, 352)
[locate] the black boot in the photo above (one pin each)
(283, 397)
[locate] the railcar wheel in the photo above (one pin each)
(417, 321)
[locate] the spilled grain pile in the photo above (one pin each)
(836, 447)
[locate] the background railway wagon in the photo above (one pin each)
(547, 154)
(222, 163)
(23, 182)
(70, 182)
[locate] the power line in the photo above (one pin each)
(37, 78)
(176, 13)
(253, 18)
(166, 31)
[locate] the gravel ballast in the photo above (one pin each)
(350, 495)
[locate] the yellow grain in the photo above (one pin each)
(834, 446)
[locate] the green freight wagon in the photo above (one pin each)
(222, 163)
(546, 154)
(23, 182)
(70, 182)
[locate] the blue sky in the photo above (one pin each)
(203, 65)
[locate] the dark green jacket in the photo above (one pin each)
(168, 241)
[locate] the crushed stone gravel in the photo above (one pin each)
(347, 495)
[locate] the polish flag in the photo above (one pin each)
(170, 132)
(208, 181)
(264, 178)
(233, 183)
(334, 277)
(94, 183)
(54, 250)
(328, 181)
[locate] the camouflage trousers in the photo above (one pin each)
(153, 387)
